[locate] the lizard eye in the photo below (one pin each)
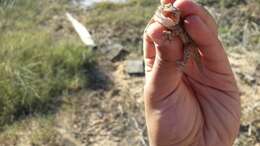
(177, 13)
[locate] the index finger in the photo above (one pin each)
(189, 7)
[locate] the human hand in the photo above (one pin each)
(190, 107)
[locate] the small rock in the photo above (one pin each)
(135, 67)
(116, 53)
(258, 135)
(249, 79)
(244, 128)
(58, 27)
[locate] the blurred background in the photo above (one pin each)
(57, 91)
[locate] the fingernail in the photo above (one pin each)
(193, 18)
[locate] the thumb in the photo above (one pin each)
(165, 75)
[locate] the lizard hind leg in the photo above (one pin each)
(187, 53)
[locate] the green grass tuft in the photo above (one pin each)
(35, 66)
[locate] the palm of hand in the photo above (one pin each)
(191, 107)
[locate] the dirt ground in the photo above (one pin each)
(115, 116)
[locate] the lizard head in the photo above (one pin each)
(176, 14)
(171, 12)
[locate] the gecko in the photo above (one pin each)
(170, 17)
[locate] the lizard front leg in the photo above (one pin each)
(171, 32)
(167, 34)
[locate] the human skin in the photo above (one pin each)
(189, 107)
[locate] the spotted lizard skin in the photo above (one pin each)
(170, 18)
